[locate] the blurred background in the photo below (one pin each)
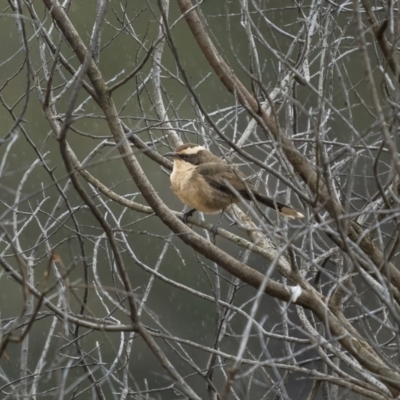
(50, 236)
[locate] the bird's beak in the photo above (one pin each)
(170, 154)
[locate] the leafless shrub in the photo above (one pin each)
(106, 293)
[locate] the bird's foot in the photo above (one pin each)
(188, 214)
(214, 229)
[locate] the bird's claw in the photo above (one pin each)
(188, 214)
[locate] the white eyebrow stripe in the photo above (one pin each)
(192, 150)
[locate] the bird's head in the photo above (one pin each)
(193, 154)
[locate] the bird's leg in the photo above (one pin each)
(214, 229)
(188, 214)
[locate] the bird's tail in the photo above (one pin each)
(282, 208)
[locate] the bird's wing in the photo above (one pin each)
(218, 174)
(229, 180)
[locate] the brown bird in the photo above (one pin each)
(206, 183)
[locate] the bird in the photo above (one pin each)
(208, 184)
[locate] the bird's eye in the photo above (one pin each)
(186, 157)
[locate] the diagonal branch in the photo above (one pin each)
(356, 345)
(299, 162)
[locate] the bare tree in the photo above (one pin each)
(106, 293)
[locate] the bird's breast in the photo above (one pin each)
(180, 180)
(191, 189)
